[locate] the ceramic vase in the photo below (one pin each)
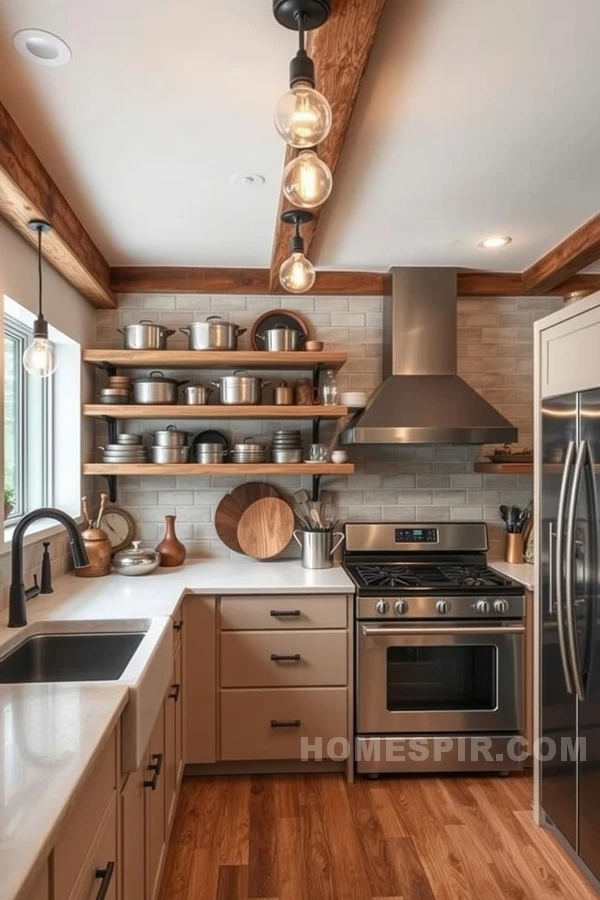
(172, 551)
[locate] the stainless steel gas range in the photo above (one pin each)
(439, 650)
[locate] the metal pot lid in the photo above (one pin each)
(172, 429)
(156, 377)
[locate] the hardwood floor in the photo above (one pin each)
(313, 837)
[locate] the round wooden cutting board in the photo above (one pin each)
(266, 528)
(227, 515)
(246, 494)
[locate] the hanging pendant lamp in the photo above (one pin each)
(40, 359)
(297, 274)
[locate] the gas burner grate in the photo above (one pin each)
(398, 575)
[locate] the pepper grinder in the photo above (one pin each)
(46, 580)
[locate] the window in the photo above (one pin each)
(28, 432)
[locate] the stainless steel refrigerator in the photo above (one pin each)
(570, 632)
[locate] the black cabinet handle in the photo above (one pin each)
(178, 625)
(283, 613)
(156, 768)
(174, 692)
(106, 876)
(294, 723)
(294, 657)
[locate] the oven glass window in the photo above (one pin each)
(441, 678)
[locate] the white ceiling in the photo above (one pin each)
(475, 118)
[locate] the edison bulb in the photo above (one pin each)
(297, 274)
(303, 116)
(307, 180)
(39, 359)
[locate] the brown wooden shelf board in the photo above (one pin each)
(181, 411)
(218, 469)
(490, 468)
(217, 359)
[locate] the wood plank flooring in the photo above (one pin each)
(313, 837)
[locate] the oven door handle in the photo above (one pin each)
(393, 631)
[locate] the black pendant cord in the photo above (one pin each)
(40, 314)
(301, 19)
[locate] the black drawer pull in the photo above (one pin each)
(294, 657)
(178, 625)
(294, 723)
(156, 768)
(106, 876)
(285, 613)
(175, 692)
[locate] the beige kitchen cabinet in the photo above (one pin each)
(40, 886)
(200, 679)
(569, 353)
(173, 740)
(156, 822)
(179, 700)
(133, 834)
(99, 871)
(283, 612)
(283, 658)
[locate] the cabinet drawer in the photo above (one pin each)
(301, 611)
(100, 864)
(283, 658)
(253, 722)
(84, 819)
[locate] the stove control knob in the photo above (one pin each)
(442, 607)
(483, 607)
(501, 606)
(382, 606)
(400, 607)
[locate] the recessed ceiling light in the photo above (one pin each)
(42, 47)
(251, 180)
(491, 243)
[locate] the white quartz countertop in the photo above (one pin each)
(50, 737)
(524, 573)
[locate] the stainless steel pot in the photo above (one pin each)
(207, 454)
(136, 560)
(145, 335)
(196, 394)
(171, 437)
(155, 388)
(240, 389)
(166, 456)
(282, 338)
(213, 334)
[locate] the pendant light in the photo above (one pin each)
(297, 274)
(302, 115)
(40, 359)
(307, 180)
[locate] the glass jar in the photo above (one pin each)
(329, 389)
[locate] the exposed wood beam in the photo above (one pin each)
(512, 284)
(340, 50)
(28, 192)
(578, 250)
(178, 280)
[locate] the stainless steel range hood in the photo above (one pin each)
(421, 399)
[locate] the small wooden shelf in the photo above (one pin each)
(181, 411)
(490, 468)
(215, 359)
(218, 469)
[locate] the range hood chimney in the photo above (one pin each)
(421, 399)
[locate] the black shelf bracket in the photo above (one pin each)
(109, 368)
(316, 430)
(316, 487)
(112, 487)
(112, 429)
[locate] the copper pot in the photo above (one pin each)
(99, 553)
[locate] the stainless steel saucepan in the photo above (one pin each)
(196, 394)
(213, 334)
(145, 335)
(280, 337)
(155, 388)
(171, 437)
(240, 389)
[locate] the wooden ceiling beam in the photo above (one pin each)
(340, 50)
(512, 284)
(578, 250)
(28, 192)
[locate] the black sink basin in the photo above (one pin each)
(101, 656)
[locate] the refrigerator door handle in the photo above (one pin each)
(594, 557)
(573, 646)
(558, 570)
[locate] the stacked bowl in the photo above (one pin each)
(128, 449)
(118, 390)
(286, 447)
(250, 452)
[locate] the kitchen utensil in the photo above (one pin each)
(240, 389)
(284, 457)
(156, 388)
(171, 437)
(504, 513)
(86, 514)
(514, 550)
(304, 393)
(281, 338)
(129, 440)
(250, 451)
(145, 335)
(113, 396)
(196, 395)
(99, 553)
(268, 320)
(318, 453)
(284, 395)
(172, 551)
(136, 560)
(317, 547)
(211, 436)
(339, 456)
(165, 456)
(103, 499)
(246, 494)
(354, 399)
(210, 454)
(214, 333)
(265, 529)
(227, 515)
(314, 346)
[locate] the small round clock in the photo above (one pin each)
(119, 527)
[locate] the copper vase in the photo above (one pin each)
(514, 551)
(172, 551)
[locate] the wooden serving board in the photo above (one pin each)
(246, 494)
(227, 515)
(266, 528)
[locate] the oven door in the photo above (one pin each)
(434, 679)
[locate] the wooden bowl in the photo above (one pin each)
(314, 346)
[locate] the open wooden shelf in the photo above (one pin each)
(181, 411)
(215, 359)
(218, 469)
(490, 468)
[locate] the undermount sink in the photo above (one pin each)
(70, 657)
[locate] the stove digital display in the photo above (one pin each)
(416, 536)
